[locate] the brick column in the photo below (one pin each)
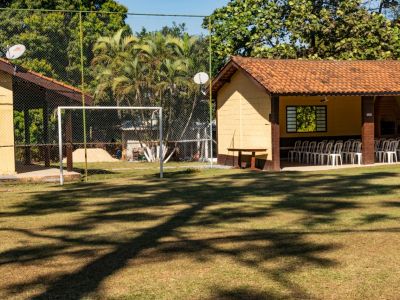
(368, 130)
(275, 134)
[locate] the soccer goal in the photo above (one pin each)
(110, 139)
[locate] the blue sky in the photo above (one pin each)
(196, 7)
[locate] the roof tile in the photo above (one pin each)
(287, 77)
(57, 82)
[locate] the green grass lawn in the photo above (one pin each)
(209, 234)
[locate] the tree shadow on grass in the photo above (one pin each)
(243, 294)
(183, 201)
(395, 204)
(374, 218)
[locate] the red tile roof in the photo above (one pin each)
(316, 77)
(67, 90)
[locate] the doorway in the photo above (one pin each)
(387, 117)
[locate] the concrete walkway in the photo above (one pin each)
(288, 167)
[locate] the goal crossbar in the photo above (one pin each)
(84, 108)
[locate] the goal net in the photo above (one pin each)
(106, 140)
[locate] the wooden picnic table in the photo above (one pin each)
(253, 155)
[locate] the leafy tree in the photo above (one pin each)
(329, 29)
(53, 42)
(306, 117)
(111, 54)
(19, 127)
(152, 69)
(52, 38)
(176, 30)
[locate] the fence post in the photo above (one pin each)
(161, 144)
(83, 94)
(68, 140)
(210, 92)
(60, 145)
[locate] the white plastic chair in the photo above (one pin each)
(349, 155)
(318, 150)
(336, 156)
(325, 153)
(296, 149)
(391, 154)
(383, 148)
(346, 150)
(304, 147)
(357, 154)
(311, 149)
(377, 143)
(398, 148)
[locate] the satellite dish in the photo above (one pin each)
(201, 78)
(15, 51)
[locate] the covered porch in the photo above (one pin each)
(335, 112)
(28, 125)
(334, 131)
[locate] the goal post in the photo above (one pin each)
(143, 125)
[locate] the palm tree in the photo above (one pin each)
(188, 49)
(111, 53)
(131, 83)
(154, 70)
(184, 48)
(172, 83)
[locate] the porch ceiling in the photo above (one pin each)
(31, 89)
(31, 96)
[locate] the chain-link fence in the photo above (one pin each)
(103, 139)
(116, 59)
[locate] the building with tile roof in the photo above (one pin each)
(24, 90)
(260, 104)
